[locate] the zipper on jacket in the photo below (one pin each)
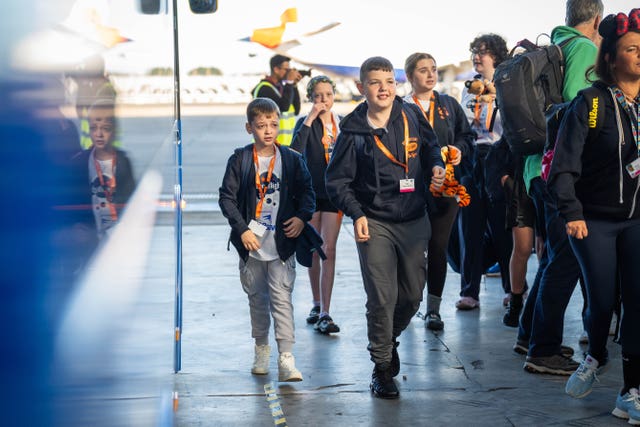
(620, 144)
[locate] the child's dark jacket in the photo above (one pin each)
(588, 177)
(237, 197)
(361, 180)
(82, 197)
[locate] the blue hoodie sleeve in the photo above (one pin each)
(340, 174)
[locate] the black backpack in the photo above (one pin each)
(527, 84)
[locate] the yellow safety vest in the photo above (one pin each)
(287, 118)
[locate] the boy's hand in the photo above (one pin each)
(455, 155)
(316, 109)
(577, 229)
(250, 241)
(361, 229)
(293, 227)
(438, 177)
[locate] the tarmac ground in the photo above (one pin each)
(465, 375)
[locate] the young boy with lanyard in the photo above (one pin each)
(378, 175)
(265, 223)
(105, 169)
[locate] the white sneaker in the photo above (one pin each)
(628, 407)
(580, 383)
(261, 360)
(287, 371)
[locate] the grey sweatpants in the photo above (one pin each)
(394, 270)
(269, 284)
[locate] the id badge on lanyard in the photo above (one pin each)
(634, 168)
(406, 185)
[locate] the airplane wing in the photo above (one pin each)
(321, 30)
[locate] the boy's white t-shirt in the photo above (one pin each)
(99, 203)
(424, 103)
(270, 205)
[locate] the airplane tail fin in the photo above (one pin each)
(272, 37)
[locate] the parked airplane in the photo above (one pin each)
(272, 38)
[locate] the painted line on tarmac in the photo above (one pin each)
(274, 405)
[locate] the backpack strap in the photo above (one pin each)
(596, 118)
(564, 42)
(245, 166)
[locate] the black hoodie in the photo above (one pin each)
(362, 181)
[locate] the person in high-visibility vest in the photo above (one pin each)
(93, 85)
(281, 87)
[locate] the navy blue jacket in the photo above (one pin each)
(308, 141)
(238, 197)
(361, 180)
(82, 197)
(588, 178)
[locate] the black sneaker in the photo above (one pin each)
(433, 321)
(325, 325)
(555, 365)
(382, 384)
(514, 308)
(395, 359)
(522, 347)
(312, 319)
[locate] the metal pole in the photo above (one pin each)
(177, 195)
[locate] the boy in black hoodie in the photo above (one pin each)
(379, 176)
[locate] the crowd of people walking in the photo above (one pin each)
(431, 183)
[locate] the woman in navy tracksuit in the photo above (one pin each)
(598, 197)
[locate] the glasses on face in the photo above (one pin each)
(480, 52)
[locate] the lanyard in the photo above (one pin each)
(262, 186)
(632, 112)
(477, 109)
(390, 156)
(432, 104)
(110, 189)
(635, 114)
(326, 139)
